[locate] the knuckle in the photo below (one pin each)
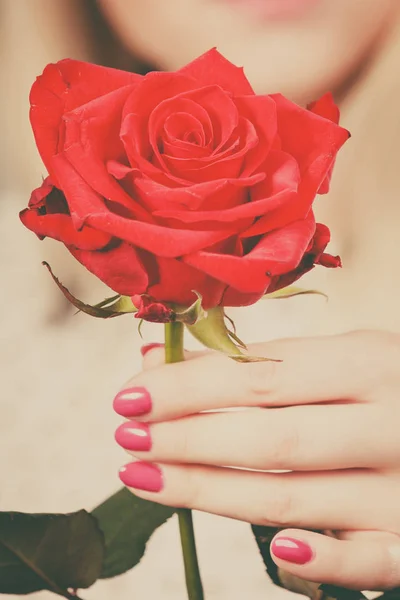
(181, 442)
(379, 361)
(390, 561)
(286, 448)
(260, 377)
(279, 508)
(191, 489)
(377, 341)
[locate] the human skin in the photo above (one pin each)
(300, 55)
(328, 413)
(322, 49)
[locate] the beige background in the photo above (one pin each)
(59, 372)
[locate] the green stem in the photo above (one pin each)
(174, 353)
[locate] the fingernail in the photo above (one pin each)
(134, 436)
(291, 550)
(142, 476)
(133, 402)
(147, 347)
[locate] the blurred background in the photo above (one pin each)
(60, 372)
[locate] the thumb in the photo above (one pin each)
(361, 564)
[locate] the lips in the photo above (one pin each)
(274, 9)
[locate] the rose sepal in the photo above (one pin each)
(193, 314)
(212, 332)
(291, 291)
(114, 306)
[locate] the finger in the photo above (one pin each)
(154, 355)
(313, 370)
(369, 536)
(358, 564)
(339, 500)
(295, 438)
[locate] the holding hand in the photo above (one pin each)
(329, 413)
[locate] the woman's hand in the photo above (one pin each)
(329, 413)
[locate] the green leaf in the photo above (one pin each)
(127, 523)
(339, 593)
(291, 291)
(393, 594)
(283, 579)
(108, 308)
(49, 552)
(264, 537)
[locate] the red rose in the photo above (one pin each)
(174, 182)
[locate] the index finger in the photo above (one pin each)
(321, 369)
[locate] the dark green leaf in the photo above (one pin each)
(391, 595)
(127, 523)
(49, 552)
(339, 593)
(264, 536)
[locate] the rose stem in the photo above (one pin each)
(174, 353)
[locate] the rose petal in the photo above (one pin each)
(314, 255)
(218, 194)
(212, 67)
(246, 274)
(279, 188)
(261, 112)
(210, 105)
(227, 164)
(120, 268)
(277, 252)
(91, 139)
(233, 297)
(186, 150)
(326, 107)
(138, 161)
(177, 126)
(154, 88)
(311, 139)
(48, 216)
(221, 110)
(60, 227)
(88, 208)
(230, 215)
(39, 194)
(63, 87)
(168, 108)
(161, 241)
(177, 281)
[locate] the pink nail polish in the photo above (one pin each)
(133, 402)
(291, 550)
(148, 347)
(134, 436)
(142, 476)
